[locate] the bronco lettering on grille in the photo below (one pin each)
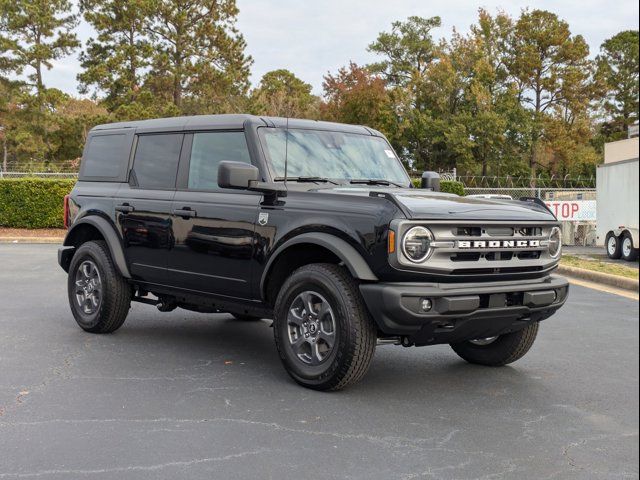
(480, 244)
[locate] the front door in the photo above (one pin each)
(213, 227)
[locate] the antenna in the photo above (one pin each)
(286, 150)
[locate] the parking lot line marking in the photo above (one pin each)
(604, 288)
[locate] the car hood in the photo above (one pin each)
(425, 204)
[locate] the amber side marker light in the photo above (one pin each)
(391, 242)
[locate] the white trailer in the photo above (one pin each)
(617, 208)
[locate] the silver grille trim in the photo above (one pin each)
(480, 248)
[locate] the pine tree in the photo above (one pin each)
(115, 62)
(34, 33)
(198, 54)
(618, 67)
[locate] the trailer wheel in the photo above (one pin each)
(629, 253)
(614, 249)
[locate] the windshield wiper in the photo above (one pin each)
(374, 181)
(305, 179)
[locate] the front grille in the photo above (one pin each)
(484, 249)
(496, 231)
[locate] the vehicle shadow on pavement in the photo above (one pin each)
(202, 335)
(208, 343)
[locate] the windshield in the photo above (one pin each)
(334, 155)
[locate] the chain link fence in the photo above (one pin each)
(486, 181)
(575, 207)
(58, 175)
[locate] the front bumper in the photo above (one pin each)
(462, 311)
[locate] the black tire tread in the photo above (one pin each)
(363, 331)
(618, 253)
(633, 256)
(115, 305)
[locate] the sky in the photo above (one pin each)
(313, 37)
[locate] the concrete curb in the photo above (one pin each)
(599, 277)
(57, 240)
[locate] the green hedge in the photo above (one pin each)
(446, 186)
(33, 202)
(452, 187)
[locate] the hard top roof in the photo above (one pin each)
(229, 121)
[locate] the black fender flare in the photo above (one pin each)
(357, 266)
(110, 236)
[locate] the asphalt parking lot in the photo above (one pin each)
(187, 395)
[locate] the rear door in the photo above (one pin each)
(213, 227)
(143, 206)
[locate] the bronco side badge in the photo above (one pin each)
(263, 218)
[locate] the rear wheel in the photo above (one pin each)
(629, 253)
(98, 295)
(323, 332)
(614, 249)
(498, 351)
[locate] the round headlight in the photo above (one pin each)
(555, 242)
(416, 244)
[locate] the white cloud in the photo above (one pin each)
(313, 37)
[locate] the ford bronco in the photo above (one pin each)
(315, 225)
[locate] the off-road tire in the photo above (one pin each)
(617, 251)
(633, 252)
(504, 350)
(356, 334)
(116, 292)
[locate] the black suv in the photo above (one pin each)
(314, 225)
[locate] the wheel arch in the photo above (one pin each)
(311, 247)
(632, 232)
(95, 228)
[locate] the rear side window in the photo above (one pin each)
(155, 164)
(105, 156)
(208, 150)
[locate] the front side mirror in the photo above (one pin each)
(238, 175)
(430, 180)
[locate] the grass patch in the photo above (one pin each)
(599, 266)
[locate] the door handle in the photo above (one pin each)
(125, 208)
(184, 212)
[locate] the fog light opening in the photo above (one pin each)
(426, 304)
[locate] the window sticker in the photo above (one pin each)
(390, 153)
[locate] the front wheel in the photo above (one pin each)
(498, 351)
(324, 334)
